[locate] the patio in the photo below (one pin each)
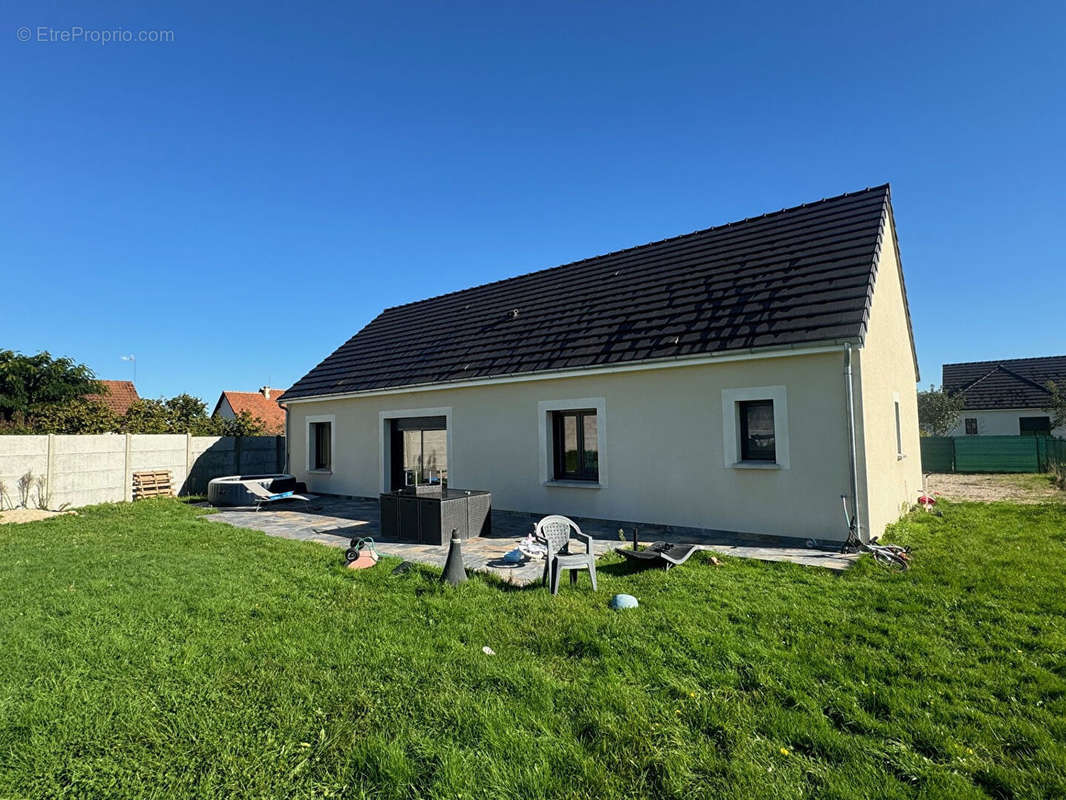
(334, 521)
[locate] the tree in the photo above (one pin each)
(938, 411)
(29, 384)
(244, 424)
(182, 413)
(1057, 407)
(81, 415)
(188, 414)
(146, 416)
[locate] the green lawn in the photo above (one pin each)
(148, 652)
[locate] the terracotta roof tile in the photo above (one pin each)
(258, 405)
(119, 396)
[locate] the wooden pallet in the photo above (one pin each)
(155, 483)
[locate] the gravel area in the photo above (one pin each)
(28, 515)
(989, 488)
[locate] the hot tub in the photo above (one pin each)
(429, 514)
(231, 491)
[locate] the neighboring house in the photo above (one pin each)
(1005, 398)
(700, 381)
(118, 396)
(262, 404)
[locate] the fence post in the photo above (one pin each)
(127, 489)
(237, 454)
(188, 463)
(49, 469)
(279, 453)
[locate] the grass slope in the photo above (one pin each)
(148, 652)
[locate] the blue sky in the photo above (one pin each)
(232, 205)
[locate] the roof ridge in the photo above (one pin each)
(1001, 368)
(724, 226)
(808, 282)
(999, 361)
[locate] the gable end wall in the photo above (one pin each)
(888, 484)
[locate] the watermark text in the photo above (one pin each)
(77, 34)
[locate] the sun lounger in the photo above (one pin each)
(661, 554)
(264, 495)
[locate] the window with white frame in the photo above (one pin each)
(320, 443)
(755, 428)
(572, 441)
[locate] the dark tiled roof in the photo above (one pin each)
(118, 396)
(1011, 383)
(799, 276)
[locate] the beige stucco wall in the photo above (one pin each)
(885, 364)
(1000, 422)
(664, 446)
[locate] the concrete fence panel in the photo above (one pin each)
(160, 451)
(260, 454)
(211, 457)
(82, 470)
(19, 455)
(86, 469)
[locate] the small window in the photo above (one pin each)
(757, 437)
(575, 445)
(321, 442)
(1034, 426)
(971, 426)
(899, 432)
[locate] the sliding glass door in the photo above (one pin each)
(419, 451)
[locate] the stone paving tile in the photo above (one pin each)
(335, 521)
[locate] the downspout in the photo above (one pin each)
(849, 391)
(287, 440)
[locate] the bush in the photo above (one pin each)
(1058, 473)
(75, 416)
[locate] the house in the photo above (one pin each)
(1005, 398)
(726, 379)
(117, 396)
(262, 405)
